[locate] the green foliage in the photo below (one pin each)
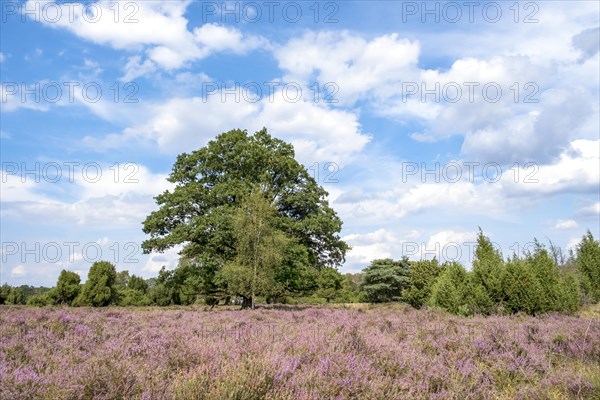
(137, 283)
(450, 289)
(67, 287)
(15, 296)
(330, 283)
(133, 297)
(99, 289)
(588, 263)
(11, 295)
(422, 276)
(384, 280)
(568, 294)
(132, 290)
(29, 291)
(546, 271)
(4, 292)
(350, 291)
(260, 250)
(477, 299)
(295, 276)
(213, 181)
(48, 298)
(521, 288)
(180, 286)
(488, 270)
(122, 280)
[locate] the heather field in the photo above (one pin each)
(343, 352)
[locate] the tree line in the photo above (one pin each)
(539, 281)
(254, 225)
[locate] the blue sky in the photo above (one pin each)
(433, 119)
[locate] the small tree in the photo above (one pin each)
(568, 294)
(488, 268)
(588, 263)
(384, 280)
(521, 288)
(330, 283)
(98, 290)
(422, 276)
(449, 290)
(260, 251)
(67, 287)
(122, 280)
(541, 264)
(15, 296)
(477, 298)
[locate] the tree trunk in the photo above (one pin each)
(246, 302)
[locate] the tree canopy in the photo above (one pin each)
(385, 279)
(99, 288)
(210, 185)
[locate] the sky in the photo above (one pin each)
(423, 120)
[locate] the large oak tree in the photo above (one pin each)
(212, 182)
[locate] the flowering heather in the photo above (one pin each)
(383, 352)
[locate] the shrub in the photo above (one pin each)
(450, 289)
(99, 290)
(67, 287)
(422, 276)
(588, 263)
(384, 280)
(521, 288)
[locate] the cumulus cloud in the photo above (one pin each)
(475, 192)
(317, 132)
(366, 247)
(119, 196)
(445, 245)
(522, 98)
(157, 28)
(358, 67)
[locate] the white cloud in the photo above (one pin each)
(572, 244)
(169, 258)
(2, 57)
(576, 170)
(103, 241)
(410, 199)
(396, 195)
(122, 196)
(446, 245)
(158, 27)
(318, 133)
(592, 210)
(549, 93)
(360, 68)
(137, 67)
(366, 247)
(18, 272)
(565, 224)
